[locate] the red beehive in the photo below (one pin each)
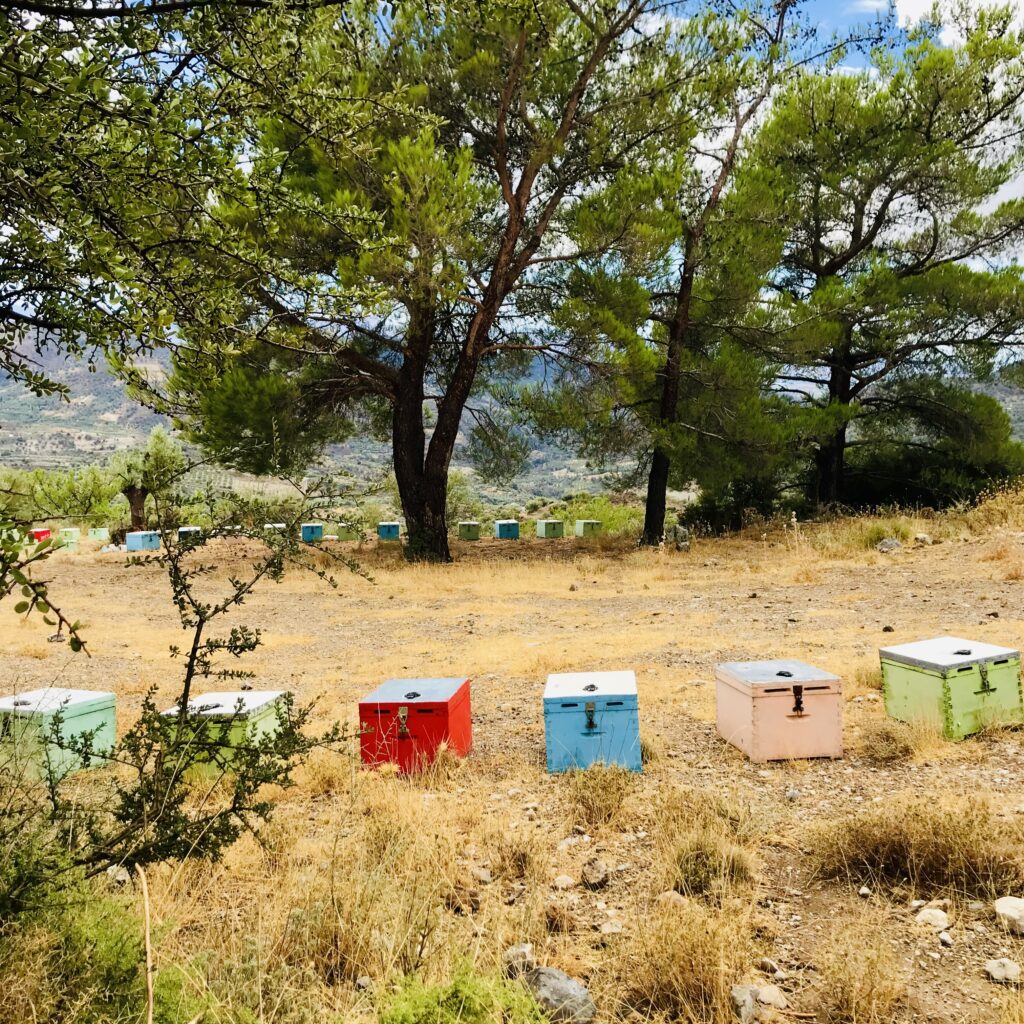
(40, 533)
(404, 721)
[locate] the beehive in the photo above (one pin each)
(779, 710)
(469, 530)
(404, 721)
(275, 528)
(960, 686)
(40, 533)
(312, 533)
(31, 737)
(70, 536)
(550, 528)
(99, 533)
(588, 527)
(506, 529)
(189, 533)
(143, 540)
(590, 718)
(345, 531)
(389, 531)
(237, 717)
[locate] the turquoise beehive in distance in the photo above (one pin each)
(388, 531)
(506, 529)
(312, 533)
(35, 726)
(591, 718)
(143, 540)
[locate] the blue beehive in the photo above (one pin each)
(591, 717)
(388, 531)
(143, 540)
(312, 533)
(506, 529)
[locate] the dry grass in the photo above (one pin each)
(682, 965)
(862, 978)
(596, 795)
(929, 842)
(705, 863)
(887, 742)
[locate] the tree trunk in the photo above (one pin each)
(137, 504)
(654, 511)
(830, 461)
(668, 410)
(422, 486)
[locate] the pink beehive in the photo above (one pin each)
(780, 710)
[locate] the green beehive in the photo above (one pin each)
(100, 533)
(550, 528)
(469, 531)
(960, 685)
(236, 717)
(588, 527)
(344, 531)
(36, 725)
(70, 536)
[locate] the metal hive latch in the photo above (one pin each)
(590, 708)
(798, 700)
(986, 686)
(403, 721)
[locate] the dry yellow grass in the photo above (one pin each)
(369, 873)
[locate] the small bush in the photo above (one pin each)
(597, 794)
(469, 998)
(706, 863)
(517, 855)
(862, 982)
(684, 962)
(927, 842)
(887, 742)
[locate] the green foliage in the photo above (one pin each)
(469, 998)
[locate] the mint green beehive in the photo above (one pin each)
(469, 530)
(237, 717)
(549, 529)
(31, 737)
(588, 527)
(961, 686)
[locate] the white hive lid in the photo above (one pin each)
(778, 672)
(578, 684)
(944, 652)
(226, 702)
(50, 699)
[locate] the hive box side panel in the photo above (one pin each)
(615, 740)
(914, 695)
(782, 734)
(735, 716)
(978, 700)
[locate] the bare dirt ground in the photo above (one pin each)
(508, 615)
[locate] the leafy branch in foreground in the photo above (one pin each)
(179, 783)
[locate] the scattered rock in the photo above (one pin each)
(932, 917)
(364, 983)
(946, 939)
(564, 1001)
(517, 960)
(564, 882)
(772, 995)
(923, 539)
(572, 586)
(118, 874)
(1003, 971)
(595, 873)
(888, 629)
(888, 545)
(744, 1002)
(767, 965)
(792, 794)
(863, 892)
(671, 898)
(611, 927)
(1010, 912)
(482, 875)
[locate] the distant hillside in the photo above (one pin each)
(101, 419)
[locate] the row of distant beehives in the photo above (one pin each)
(771, 710)
(314, 533)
